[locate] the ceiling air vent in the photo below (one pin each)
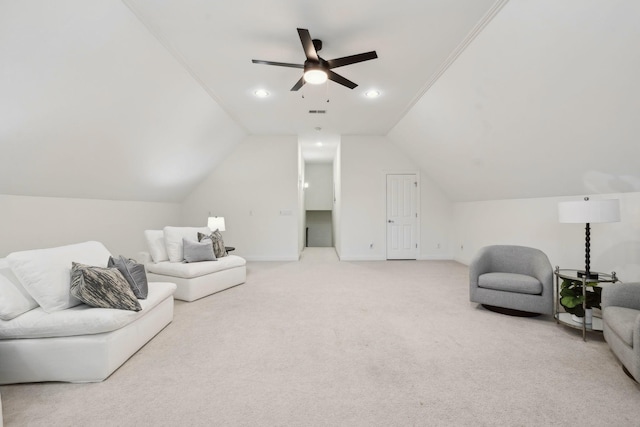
(317, 111)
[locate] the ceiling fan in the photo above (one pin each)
(316, 69)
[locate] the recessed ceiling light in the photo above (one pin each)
(372, 93)
(319, 143)
(261, 93)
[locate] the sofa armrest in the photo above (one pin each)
(144, 258)
(621, 295)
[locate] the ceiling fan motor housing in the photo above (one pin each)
(316, 65)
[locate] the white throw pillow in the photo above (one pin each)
(173, 240)
(14, 298)
(155, 243)
(46, 273)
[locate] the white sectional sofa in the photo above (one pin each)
(165, 262)
(48, 335)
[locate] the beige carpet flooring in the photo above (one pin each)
(326, 343)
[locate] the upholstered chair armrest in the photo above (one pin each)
(636, 337)
(144, 258)
(480, 264)
(621, 295)
(543, 271)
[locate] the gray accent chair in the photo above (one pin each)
(621, 324)
(511, 277)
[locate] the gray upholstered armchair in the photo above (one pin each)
(512, 277)
(621, 324)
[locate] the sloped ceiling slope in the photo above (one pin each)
(93, 106)
(544, 102)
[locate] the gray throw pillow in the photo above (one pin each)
(216, 241)
(102, 287)
(197, 251)
(133, 273)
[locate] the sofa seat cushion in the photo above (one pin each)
(510, 282)
(195, 269)
(621, 320)
(81, 319)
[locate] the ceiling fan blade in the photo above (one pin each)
(341, 80)
(347, 60)
(307, 45)
(299, 84)
(279, 64)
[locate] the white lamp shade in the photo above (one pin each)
(216, 223)
(589, 211)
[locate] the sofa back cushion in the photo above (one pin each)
(155, 243)
(14, 298)
(173, 240)
(46, 273)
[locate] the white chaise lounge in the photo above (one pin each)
(165, 262)
(69, 341)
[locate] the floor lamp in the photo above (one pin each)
(589, 212)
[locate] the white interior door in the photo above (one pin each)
(402, 216)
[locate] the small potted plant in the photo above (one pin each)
(572, 299)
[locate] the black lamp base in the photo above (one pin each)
(589, 276)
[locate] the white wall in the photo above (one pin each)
(40, 222)
(365, 162)
(534, 222)
(319, 194)
(337, 200)
(256, 190)
(302, 217)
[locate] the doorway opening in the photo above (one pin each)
(319, 229)
(318, 204)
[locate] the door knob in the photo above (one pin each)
(389, 220)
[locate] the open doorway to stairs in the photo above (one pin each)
(319, 185)
(318, 200)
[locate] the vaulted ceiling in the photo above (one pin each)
(140, 100)
(543, 102)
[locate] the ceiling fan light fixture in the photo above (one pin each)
(315, 76)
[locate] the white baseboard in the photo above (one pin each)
(363, 258)
(435, 257)
(260, 258)
(270, 258)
